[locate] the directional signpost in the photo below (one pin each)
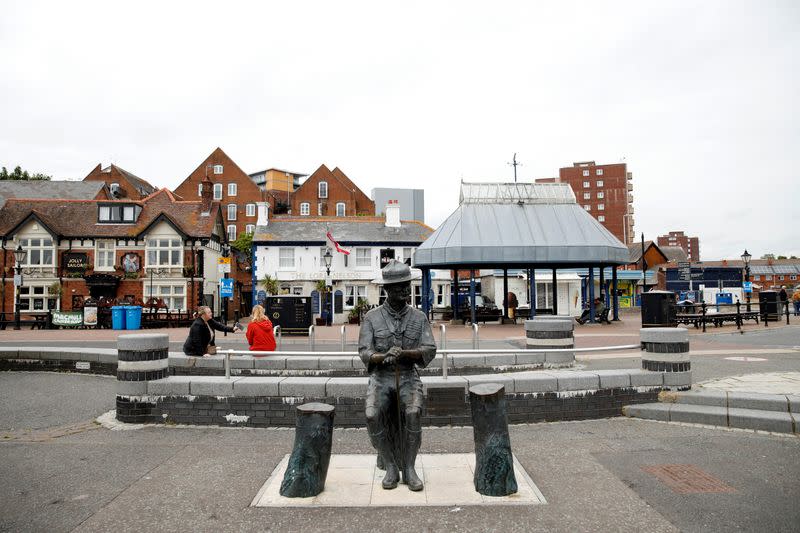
(224, 265)
(747, 286)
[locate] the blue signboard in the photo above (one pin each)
(315, 302)
(747, 286)
(226, 288)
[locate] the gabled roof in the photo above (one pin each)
(504, 224)
(71, 190)
(346, 231)
(78, 218)
(113, 173)
(187, 188)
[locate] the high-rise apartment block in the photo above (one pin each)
(606, 192)
(690, 245)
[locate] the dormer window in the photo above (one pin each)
(323, 189)
(118, 213)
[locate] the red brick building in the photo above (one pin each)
(158, 246)
(237, 194)
(604, 191)
(690, 245)
(330, 193)
(121, 183)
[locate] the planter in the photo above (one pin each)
(319, 321)
(353, 320)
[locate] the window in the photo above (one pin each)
(601, 218)
(601, 207)
(585, 172)
(442, 295)
(354, 293)
(323, 189)
(305, 209)
(231, 211)
(286, 257)
(40, 252)
(768, 277)
(407, 256)
(173, 295)
(164, 252)
(599, 183)
(586, 184)
(231, 189)
(37, 298)
(217, 191)
(118, 213)
(599, 171)
(319, 209)
(232, 232)
(781, 278)
(104, 255)
(587, 207)
(793, 277)
(250, 229)
(199, 189)
(363, 257)
(217, 169)
(600, 195)
(340, 209)
(587, 196)
(250, 210)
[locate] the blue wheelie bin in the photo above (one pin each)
(118, 317)
(133, 317)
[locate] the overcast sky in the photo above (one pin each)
(699, 98)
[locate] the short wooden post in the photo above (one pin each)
(494, 464)
(308, 465)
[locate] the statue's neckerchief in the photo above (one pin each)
(393, 319)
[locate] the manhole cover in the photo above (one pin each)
(746, 359)
(687, 479)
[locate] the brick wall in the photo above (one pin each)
(340, 189)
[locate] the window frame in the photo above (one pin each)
(586, 172)
(228, 211)
(587, 184)
(217, 187)
(319, 189)
(600, 183)
(159, 248)
(250, 210)
(363, 262)
(231, 236)
(233, 189)
(28, 297)
(599, 172)
(168, 298)
(284, 262)
(601, 218)
(305, 209)
(104, 253)
(344, 209)
(218, 170)
(587, 196)
(601, 207)
(41, 248)
(250, 229)
(600, 195)
(352, 293)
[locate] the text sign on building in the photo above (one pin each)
(685, 270)
(226, 288)
(224, 265)
(67, 318)
(747, 286)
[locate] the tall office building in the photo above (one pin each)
(690, 245)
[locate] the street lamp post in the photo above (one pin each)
(328, 257)
(19, 257)
(746, 260)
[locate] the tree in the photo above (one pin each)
(270, 284)
(244, 249)
(22, 175)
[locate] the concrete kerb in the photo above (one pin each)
(143, 342)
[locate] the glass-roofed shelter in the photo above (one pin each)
(520, 225)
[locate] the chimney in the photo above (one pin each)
(263, 213)
(392, 214)
(206, 196)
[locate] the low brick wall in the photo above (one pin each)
(79, 360)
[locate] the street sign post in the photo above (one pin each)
(226, 288)
(685, 271)
(224, 265)
(747, 286)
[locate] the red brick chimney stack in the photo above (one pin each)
(207, 195)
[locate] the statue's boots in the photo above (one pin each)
(392, 476)
(410, 477)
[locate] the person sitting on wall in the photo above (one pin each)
(200, 341)
(259, 332)
(599, 307)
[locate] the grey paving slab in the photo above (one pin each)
(241, 361)
(612, 379)
(765, 402)
(214, 361)
(467, 360)
(257, 386)
(678, 379)
(570, 380)
(534, 381)
(500, 359)
(212, 386)
(335, 362)
(761, 420)
(554, 358)
(270, 362)
(9, 353)
(29, 352)
(302, 362)
(794, 403)
(530, 358)
(303, 387)
(699, 414)
(346, 387)
(649, 411)
(171, 386)
(645, 378)
(703, 397)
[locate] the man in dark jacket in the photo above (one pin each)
(201, 333)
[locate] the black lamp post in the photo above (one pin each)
(328, 257)
(19, 257)
(746, 260)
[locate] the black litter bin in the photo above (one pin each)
(768, 304)
(659, 310)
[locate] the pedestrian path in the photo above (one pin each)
(764, 383)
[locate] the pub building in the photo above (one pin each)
(159, 251)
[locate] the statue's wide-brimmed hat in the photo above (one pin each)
(395, 272)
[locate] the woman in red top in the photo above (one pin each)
(259, 332)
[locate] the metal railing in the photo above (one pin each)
(344, 337)
(700, 314)
(312, 336)
(444, 352)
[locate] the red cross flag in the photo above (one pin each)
(339, 249)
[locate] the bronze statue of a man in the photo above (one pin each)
(395, 340)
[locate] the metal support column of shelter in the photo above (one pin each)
(603, 291)
(454, 295)
(591, 295)
(472, 295)
(615, 299)
(426, 288)
(505, 293)
(555, 293)
(532, 278)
